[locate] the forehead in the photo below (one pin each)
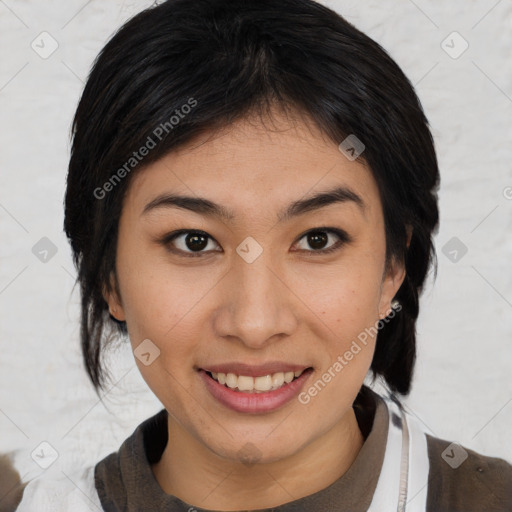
(255, 166)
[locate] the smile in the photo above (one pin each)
(257, 394)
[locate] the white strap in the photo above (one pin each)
(419, 466)
(402, 484)
(386, 495)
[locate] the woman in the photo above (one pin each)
(251, 199)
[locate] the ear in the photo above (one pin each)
(113, 299)
(408, 229)
(392, 279)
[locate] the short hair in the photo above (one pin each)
(227, 59)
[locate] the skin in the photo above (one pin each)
(291, 304)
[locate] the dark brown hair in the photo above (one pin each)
(232, 58)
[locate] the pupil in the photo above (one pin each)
(196, 242)
(317, 240)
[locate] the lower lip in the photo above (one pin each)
(255, 403)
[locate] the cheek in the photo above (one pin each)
(161, 308)
(158, 298)
(345, 299)
(345, 309)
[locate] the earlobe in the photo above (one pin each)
(394, 305)
(113, 301)
(114, 308)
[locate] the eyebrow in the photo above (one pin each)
(203, 206)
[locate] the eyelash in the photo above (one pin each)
(343, 237)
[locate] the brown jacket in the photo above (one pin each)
(124, 480)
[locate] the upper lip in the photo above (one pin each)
(254, 370)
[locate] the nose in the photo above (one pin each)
(258, 305)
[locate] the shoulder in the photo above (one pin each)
(461, 479)
(75, 491)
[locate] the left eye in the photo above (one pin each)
(318, 240)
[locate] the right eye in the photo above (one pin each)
(189, 243)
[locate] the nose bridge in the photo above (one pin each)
(258, 305)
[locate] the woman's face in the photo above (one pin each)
(282, 282)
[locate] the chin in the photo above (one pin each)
(253, 449)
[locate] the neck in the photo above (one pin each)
(199, 477)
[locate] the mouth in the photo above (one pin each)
(261, 384)
(256, 394)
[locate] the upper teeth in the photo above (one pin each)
(263, 383)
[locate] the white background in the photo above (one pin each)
(463, 385)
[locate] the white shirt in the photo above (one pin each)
(62, 494)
